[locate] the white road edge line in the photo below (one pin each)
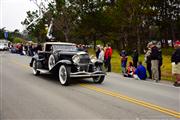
(151, 81)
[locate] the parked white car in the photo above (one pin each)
(4, 44)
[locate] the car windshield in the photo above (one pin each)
(64, 47)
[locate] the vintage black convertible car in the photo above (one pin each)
(65, 60)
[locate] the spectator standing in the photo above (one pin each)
(148, 61)
(101, 54)
(26, 48)
(140, 72)
(154, 62)
(30, 50)
(98, 50)
(175, 60)
(20, 49)
(135, 57)
(109, 57)
(124, 58)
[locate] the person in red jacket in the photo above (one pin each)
(107, 57)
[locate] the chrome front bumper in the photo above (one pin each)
(87, 74)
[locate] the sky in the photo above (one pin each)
(13, 12)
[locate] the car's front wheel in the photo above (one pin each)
(98, 79)
(64, 75)
(34, 68)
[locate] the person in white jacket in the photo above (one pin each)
(101, 54)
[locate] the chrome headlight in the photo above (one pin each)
(93, 59)
(76, 59)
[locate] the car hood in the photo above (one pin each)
(73, 52)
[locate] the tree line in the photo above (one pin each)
(124, 24)
(13, 36)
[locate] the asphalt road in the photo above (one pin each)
(25, 96)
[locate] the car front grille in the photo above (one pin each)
(84, 68)
(84, 59)
(84, 64)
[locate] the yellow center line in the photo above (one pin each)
(132, 100)
(123, 97)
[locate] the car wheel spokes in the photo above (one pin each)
(51, 62)
(63, 74)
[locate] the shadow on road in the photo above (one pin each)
(74, 81)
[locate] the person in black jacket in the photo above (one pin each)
(135, 58)
(154, 62)
(98, 51)
(175, 60)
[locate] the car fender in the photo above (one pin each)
(36, 58)
(66, 62)
(61, 62)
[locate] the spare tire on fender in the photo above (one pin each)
(51, 61)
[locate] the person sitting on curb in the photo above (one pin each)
(140, 72)
(130, 70)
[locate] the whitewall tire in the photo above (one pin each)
(64, 75)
